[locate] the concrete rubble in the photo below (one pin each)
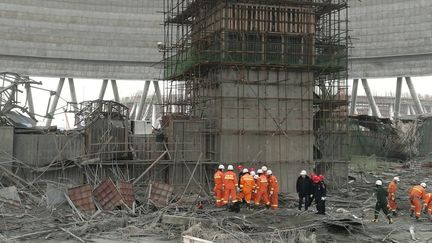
(30, 213)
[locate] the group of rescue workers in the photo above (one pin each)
(262, 188)
(386, 200)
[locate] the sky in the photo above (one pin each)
(88, 89)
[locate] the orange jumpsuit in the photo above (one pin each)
(218, 188)
(274, 190)
(391, 196)
(254, 191)
(428, 203)
(230, 187)
(247, 184)
(416, 194)
(262, 190)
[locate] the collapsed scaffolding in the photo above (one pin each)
(272, 71)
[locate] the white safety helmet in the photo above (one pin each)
(221, 167)
(378, 183)
(245, 170)
(264, 168)
(259, 171)
(423, 185)
(396, 179)
(303, 173)
(255, 177)
(252, 173)
(269, 172)
(230, 167)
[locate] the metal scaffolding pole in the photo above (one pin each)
(103, 88)
(141, 105)
(115, 90)
(55, 101)
(417, 104)
(29, 98)
(73, 94)
(398, 97)
(372, 103)
(354, 96)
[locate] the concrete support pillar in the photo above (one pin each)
(408, 110)
(133, 111)
(73, 94)
(148, 108)
(29, 98)
(417, 103)
(398, 97)
(354, 96)
(141, 105)
(372, 104)
(158, 93)
(103, 88)
(391, 111)
(153, 117)
(54, 103)
(115, 90)
(412, 110)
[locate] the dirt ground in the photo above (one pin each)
(348, 219)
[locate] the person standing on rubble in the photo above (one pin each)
(230, 186)
(417, 193)
(304, 189)
(247, 184)
(381, 203)
(218, 188)
(391, 195)
(273, 190)
(262, 189)
(427, 206)
(320, 194)
(254, 191)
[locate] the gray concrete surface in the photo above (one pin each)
(83, 39)
(390, 38)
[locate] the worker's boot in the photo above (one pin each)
(412, 214)
(390, 220)
(375, 220)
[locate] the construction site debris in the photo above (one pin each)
(81, 197)
(159, 194)
(107, 195)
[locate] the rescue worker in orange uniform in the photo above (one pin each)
(417, 193)
(230, 186)
(247, 184)
(273, 190)
(391, 195)
(218, 188)
(254, 191)
(262, 189)
(427, 206)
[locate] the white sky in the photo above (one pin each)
(88, 89)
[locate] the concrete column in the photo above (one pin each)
(412, 110)
(153, 117)
(115, 90)
(354, 96)
(158, 93)
(149, 106)
(29, 98)
(417, 104)
(408, 110)
(141, 105)
(372, 104)
(73, 94)
(398, 97)
(132, 112)
(55, 101)
(103, 88)
(391, 111)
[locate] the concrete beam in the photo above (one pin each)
(54, 103)
(141, 105)
(417, 104)
(73, 94)
(354, 96)
(103, 88)
(115, 90)
(398, 97)
(372, 103)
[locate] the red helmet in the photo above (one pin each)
(321, 177)
(315, 179)
(240, 167)
(251, 169)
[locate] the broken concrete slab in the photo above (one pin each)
(10, 195)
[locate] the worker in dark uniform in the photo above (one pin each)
(304, 189)
(320, 194)
(381, 203)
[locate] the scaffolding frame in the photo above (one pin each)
(205, 37)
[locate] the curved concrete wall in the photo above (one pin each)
(113, 39)
(390, 38)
